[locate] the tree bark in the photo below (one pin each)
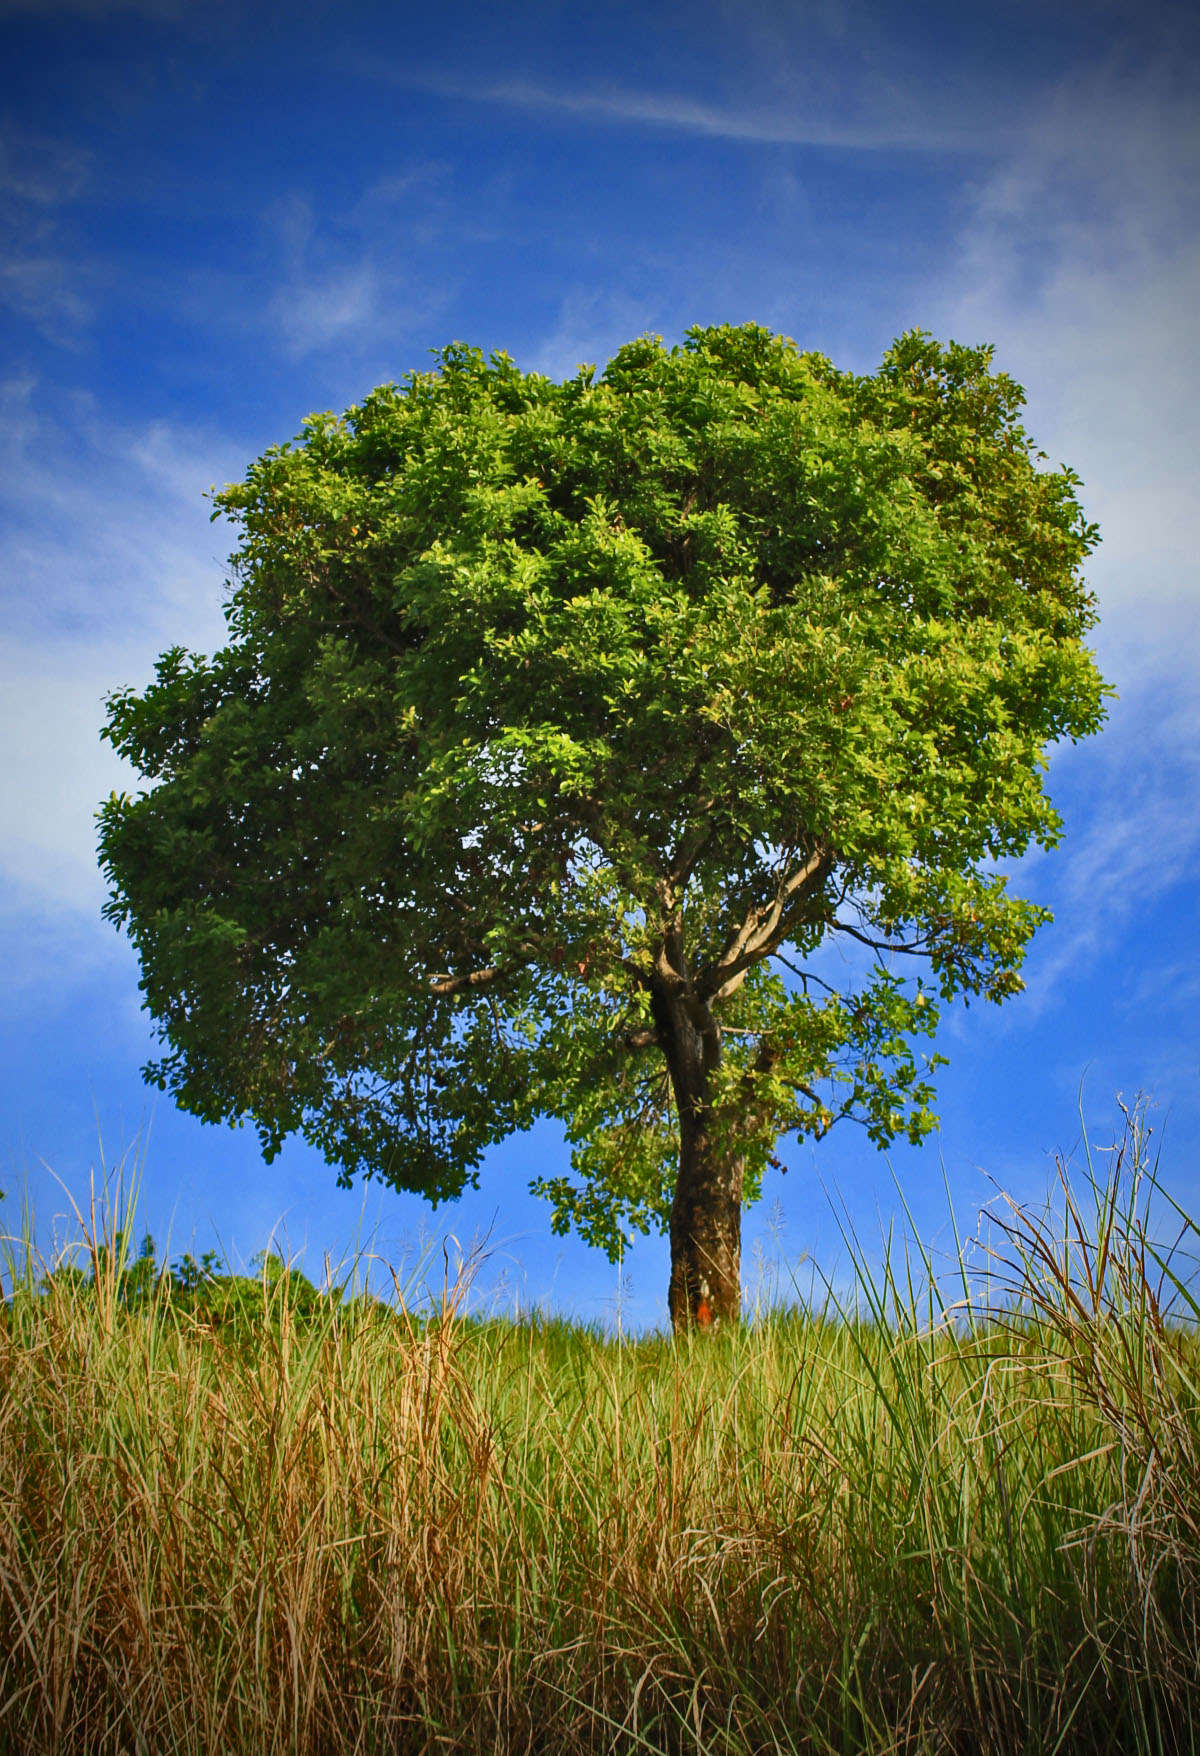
(706, 1212)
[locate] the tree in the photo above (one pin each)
(562, 731)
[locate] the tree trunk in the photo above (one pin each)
(706, 1213)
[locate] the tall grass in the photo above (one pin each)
(906, 1525)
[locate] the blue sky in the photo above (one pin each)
(216, 219)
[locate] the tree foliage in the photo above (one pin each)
(537, 695)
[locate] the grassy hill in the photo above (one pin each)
(238, 1515)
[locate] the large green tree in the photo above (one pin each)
(561, 732)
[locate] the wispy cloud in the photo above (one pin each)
(313, 310)
(40, 169)
(591, 325)
(39, 280)
(348, 282)
(802, 125)
(318, 301)
(105, 525)
(44, 289)
(850, 75)
(1133, 838)
(810, 102)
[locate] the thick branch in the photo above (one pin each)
(476, 978)
(444, 986)
(670, 962)
(690, 850)
(764, 928)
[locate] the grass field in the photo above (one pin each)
(242, 1517)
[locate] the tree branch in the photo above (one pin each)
(917, 948)
(763, 929)
(445, 986)
(685, 860)
(805, 975)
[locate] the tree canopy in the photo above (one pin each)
(565, 730)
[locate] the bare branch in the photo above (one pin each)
(915, 948)
(805, 975)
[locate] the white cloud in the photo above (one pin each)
(107, 556)
(1081, 261)
(107, 526)
(55, 772)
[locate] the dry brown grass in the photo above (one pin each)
(899, 1529)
